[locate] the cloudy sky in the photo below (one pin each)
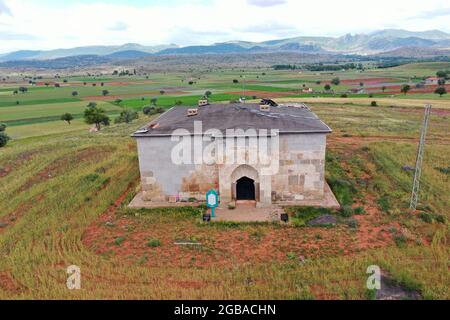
(51, 24)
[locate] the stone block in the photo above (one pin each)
(293, 180)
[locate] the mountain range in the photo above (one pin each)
(379, 42)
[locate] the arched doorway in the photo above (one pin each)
(245, 189)
(245, 184)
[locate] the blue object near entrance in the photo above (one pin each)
(212, 200)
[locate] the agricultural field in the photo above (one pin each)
(64, 193)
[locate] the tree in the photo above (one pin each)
(95, 115)
(327, 87)
(336, 81)
(208, 94)
(383, 88)
(162, 92)
(405, 88)
(105, 92)
(440, 91)
(23, 89)
(441, 81)
(443, 74)
(74, 93)
(126, 116)
(57, 85)
(235, 81)
(318, 82)
(4, 138)
(361, 84)
(153, 101)
(67, 117)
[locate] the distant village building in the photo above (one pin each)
(432, 80)
(203, 102)
(357, 90)
(293, 171)
(307, 90)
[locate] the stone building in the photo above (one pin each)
(266, 154)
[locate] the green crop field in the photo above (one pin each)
(64, 193)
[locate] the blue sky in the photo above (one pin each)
(50, 24)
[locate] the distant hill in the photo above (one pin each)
(80, 51)
(373, 43)
(59, 63)
(128, 54)
(383, 42)
(19, 55)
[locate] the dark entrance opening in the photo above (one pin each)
(245, 189)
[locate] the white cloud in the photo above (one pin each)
(71, 24)
(4, 9)
(266, 3)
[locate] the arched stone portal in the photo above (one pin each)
(245, 183)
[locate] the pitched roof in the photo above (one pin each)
(289, 118)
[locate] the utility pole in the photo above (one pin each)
(243, 88)
(419, 159)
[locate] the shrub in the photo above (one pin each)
(359, 210)
(118, 241)
(91, 177)
(154, 243)
(384, 204)
(346, 211)
(344, 95)
(400, 240)
(231, 206)
(440, 218)
(291, 255)
(353, 223)
(426, 217)
(374, 104)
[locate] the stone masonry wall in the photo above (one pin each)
(302, 168)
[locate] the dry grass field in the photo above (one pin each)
(64, 195)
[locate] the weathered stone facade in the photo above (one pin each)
(300, 164)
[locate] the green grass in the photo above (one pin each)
(302, 215)
(48, 110)
(35, 102)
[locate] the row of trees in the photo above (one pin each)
(439, 90)
(97, 116)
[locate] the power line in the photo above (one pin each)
(419, 159)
